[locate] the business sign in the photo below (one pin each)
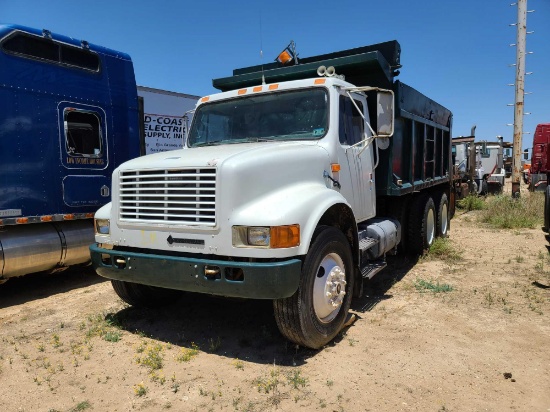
(166, 116)
(163, 132)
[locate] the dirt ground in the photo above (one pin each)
(479, 342)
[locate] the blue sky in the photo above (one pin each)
(456, 52)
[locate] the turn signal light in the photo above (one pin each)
(285, 236)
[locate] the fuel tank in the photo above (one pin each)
(44, 246)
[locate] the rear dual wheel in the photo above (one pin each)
(443, 217)
(422, 224)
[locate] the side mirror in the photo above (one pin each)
(384, 113)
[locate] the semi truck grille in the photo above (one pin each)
(176, 196)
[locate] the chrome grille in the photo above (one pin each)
(176, 196)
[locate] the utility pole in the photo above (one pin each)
(520, 89)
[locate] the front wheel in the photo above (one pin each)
(144, 296)
(315, 314)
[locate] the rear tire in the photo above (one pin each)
(144, 296)
(314, 315)
(443, 217)
(421, 224)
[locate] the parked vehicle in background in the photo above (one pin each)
(540, 160)
(296, 182)
(483, 170)
(69, 115)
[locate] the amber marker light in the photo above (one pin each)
(273, 86)
(335, 167)
(285, 236)
(70, 216)
(46, 218)
(320, 81)
(205, 99)
(257, 89)
(242, 91)
(89, 215)
(22, 220)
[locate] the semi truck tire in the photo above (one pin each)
(443, 217)
(546, 227)
(314, 315)
(144, 296)
(422, 224)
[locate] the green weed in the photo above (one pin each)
(471, 202)
(140, 389)
(82, 406)
(504, 212)
(429, 286)
(443, 249)
(152, 357)
(188, 353)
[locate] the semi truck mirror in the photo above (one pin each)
(384, 113)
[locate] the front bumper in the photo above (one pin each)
(273, 280)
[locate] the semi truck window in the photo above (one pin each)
(83, 133)
(351, 125)
(36, 47)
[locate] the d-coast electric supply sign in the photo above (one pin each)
(164, 123)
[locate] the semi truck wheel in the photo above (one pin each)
(144, 296)
(315, 314)
(443, 217)
(546, 227)
(422, 224)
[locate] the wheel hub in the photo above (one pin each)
(330, 288)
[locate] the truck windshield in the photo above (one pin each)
(289, 115)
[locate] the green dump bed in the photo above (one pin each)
(419, 155)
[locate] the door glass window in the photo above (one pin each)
(351, 125)
(83, 133)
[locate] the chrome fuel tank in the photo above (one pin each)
(44, 246)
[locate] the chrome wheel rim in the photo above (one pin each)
(444, 219)
(329, 288)
(430, 227)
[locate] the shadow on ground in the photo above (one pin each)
(41, 285)
(242, 329)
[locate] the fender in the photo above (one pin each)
(303, 204)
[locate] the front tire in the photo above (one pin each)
(144, 296)
(314, 315)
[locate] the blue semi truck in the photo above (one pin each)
(69, 114)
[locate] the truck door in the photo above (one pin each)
(358, 160)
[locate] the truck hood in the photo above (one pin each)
(253, 180)
(216, 155)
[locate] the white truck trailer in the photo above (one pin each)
(294, 185)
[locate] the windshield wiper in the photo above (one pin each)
(206, 144)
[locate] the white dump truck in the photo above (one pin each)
(296, 181)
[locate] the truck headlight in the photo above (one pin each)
(274, 237)
(102, 226)
(258, 236)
